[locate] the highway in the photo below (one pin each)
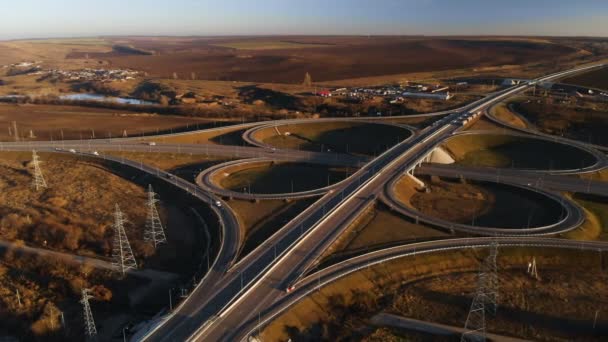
(520, 177)
(571, 217)
(206, 181)
(317, 280)
(233, 292)
(227, 151)
(259, 281)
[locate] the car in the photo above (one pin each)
(218, 204)
(151, 143)
(72, 150)
(290, 289)
(57, 149)
(95, 153)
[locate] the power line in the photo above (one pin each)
(154, 231)
(39, 182)
(89, 323)
(124, 259)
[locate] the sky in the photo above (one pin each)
(78, 18)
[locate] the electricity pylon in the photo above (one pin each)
(39, 182)
(485, 300)
(154, 227)
(89, 323)
(124, 259)
(475, 326)
(490, 270)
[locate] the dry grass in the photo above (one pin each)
(484, 124)
(437, 288)
(595, 226)
(50, 122)
(592, 79)
(260, 220)
(341, 137)
(223, 136)
(376, 228)
(572, 118)
(267, 45)
(169, 161)
(601, 175)
(489, 150)
(502, 112)
(74, 215)
(271, 177)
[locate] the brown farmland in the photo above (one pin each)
(332, 58)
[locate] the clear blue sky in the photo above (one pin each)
(72, 18)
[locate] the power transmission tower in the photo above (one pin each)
(475, 326)
(124, 259)
(39, 182)
(154, 227)
(485, 300)
(89, 323)
(490, 270)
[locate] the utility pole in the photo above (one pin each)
(154, 227)
(124, 259)
(89, 323)
(39, 182)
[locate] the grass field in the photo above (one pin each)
(273, 178)
(485, 204)
(268, 45)
(260, 220)
(340, 137)
(50, 122)
(377, 227)
(74, 215)
(518, 152)
(439, 287)
(502, 112)
(592, 79)
(582, 121)
(341, 58)
(224, 136)
(595, 226)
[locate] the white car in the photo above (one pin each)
(218, 204)
(95, 153)
(72, 150)
(151, 143)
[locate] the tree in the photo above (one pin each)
(307, 80)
